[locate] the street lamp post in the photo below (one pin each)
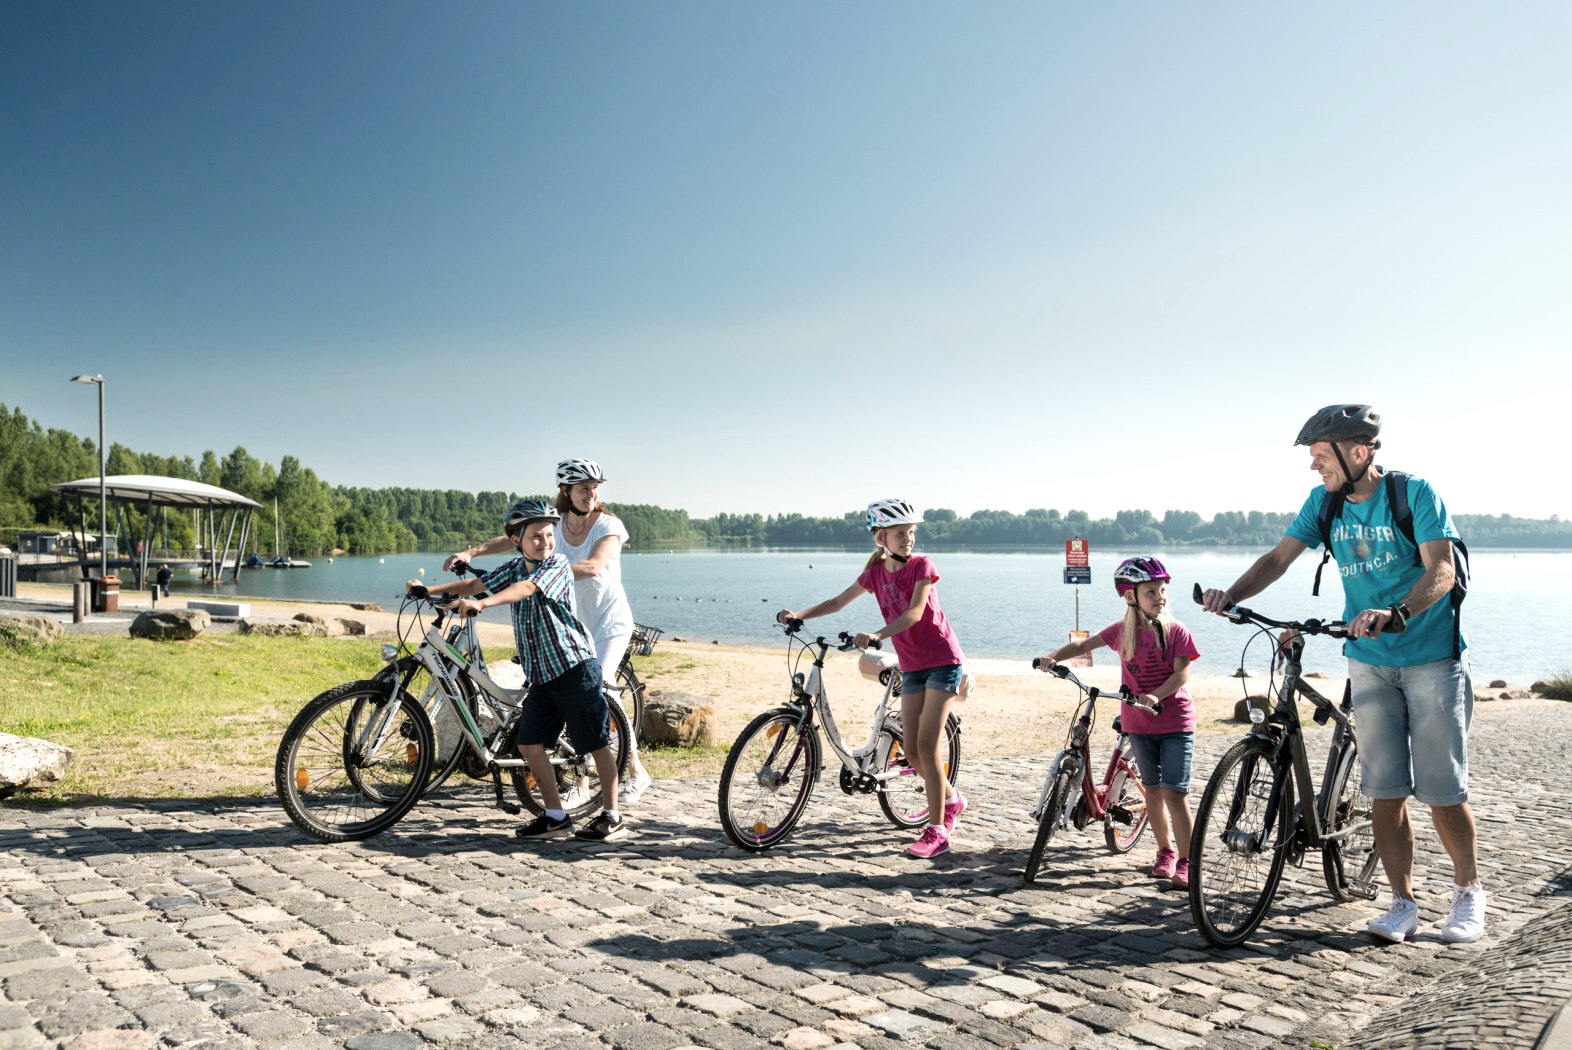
(103, 501)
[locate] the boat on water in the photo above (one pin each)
(282, 562)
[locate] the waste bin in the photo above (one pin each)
(106, 594)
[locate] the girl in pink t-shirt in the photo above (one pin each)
(930, 657)
(1154, 660)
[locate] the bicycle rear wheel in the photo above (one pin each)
(1048, 822)
(1124, 822)
(630, 695)
(1239, 843)
(904, 797)
(768, 778)
(570, 767)
(1349, 862)
(353, 726)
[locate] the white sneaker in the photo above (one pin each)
(1467, 921)
(1399, 923)
(634, 789)
(574, 797)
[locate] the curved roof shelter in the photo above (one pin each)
(220, 512)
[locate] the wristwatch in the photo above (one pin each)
(1399, 612)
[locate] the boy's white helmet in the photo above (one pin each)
(887, 513)
(573, 471)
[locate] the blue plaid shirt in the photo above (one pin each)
(550, 639)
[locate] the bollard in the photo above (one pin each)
(80, 599)
(152, 594)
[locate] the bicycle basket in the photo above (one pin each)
(644, 639)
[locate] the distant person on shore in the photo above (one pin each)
(559, 661)
(165, 574)
(591, 538)
(1155, 653)
(930, 656)
(1407, 658)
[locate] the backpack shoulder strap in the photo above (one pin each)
(1402, 513)
(1331, 507)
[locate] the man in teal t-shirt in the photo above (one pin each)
(1413, 698)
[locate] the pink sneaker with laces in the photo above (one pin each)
(1164, 867)
(932, 843)
(1181, 877)
(953, 810)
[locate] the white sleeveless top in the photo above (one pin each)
(599, 602)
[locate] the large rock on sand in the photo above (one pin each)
(19, 629)
(678, 718)
(27, 761)
(334, 625)
(276, 626)
(177, 625)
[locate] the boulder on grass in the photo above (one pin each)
(278, 627)
(25, 629)
(177, 625)
(678, 718)
(29, 762)
(333, 626)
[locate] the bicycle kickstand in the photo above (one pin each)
(510, 808)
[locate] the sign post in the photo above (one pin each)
(1078, 570)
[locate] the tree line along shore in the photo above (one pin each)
(316, 517)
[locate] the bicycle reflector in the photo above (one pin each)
(302, 778)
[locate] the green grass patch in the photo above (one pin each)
(170, 719)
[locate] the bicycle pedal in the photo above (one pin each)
(1364, 890)
(512, 809)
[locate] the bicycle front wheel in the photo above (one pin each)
(578, 781)
(354, 726)
(1124, 822)
(1050, 819)
(1349, 862)
(903, 796)
(768, 778)
(1238, 846)
(447, 736)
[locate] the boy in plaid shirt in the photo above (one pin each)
(559, 662)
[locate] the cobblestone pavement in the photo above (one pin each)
(216, 923)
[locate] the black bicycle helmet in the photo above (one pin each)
(527, 510)
(1340, 423)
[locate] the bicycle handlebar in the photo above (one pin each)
(1123, 692)
(793, 625)
(1331, 628)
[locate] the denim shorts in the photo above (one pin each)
(946, 679)
(1164, 759)
(1413, 729)
(574, 699)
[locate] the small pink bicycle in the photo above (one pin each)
(1118, 800)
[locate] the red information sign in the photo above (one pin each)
(1077, 552)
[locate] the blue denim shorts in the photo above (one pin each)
(1413, 729)
(946, 679)
(1164, 759)
(574, 699)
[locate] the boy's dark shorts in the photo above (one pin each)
(574, 699)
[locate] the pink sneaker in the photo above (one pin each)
(1164, 867)
(953, 810)
(1181, 878)
(933, 842)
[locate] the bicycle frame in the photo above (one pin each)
(1078, 755)
(814, 698)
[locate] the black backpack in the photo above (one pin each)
(1403, 515)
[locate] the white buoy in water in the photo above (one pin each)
(381, 560)
(420, 572)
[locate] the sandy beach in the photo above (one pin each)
(1015, 710)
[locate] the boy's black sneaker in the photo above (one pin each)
(543, 827)
(603, 828)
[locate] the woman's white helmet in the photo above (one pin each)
(573, 471)
(888, 513)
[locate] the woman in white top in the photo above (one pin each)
(591, 537)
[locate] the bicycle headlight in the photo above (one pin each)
(1257, 714)
(389, 652)
(798, 681)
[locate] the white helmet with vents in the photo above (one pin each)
(887, 513)
(573, 471)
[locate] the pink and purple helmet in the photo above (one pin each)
(1132, 571)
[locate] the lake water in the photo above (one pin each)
(1005, 606)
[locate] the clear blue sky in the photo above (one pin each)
(798, 256)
